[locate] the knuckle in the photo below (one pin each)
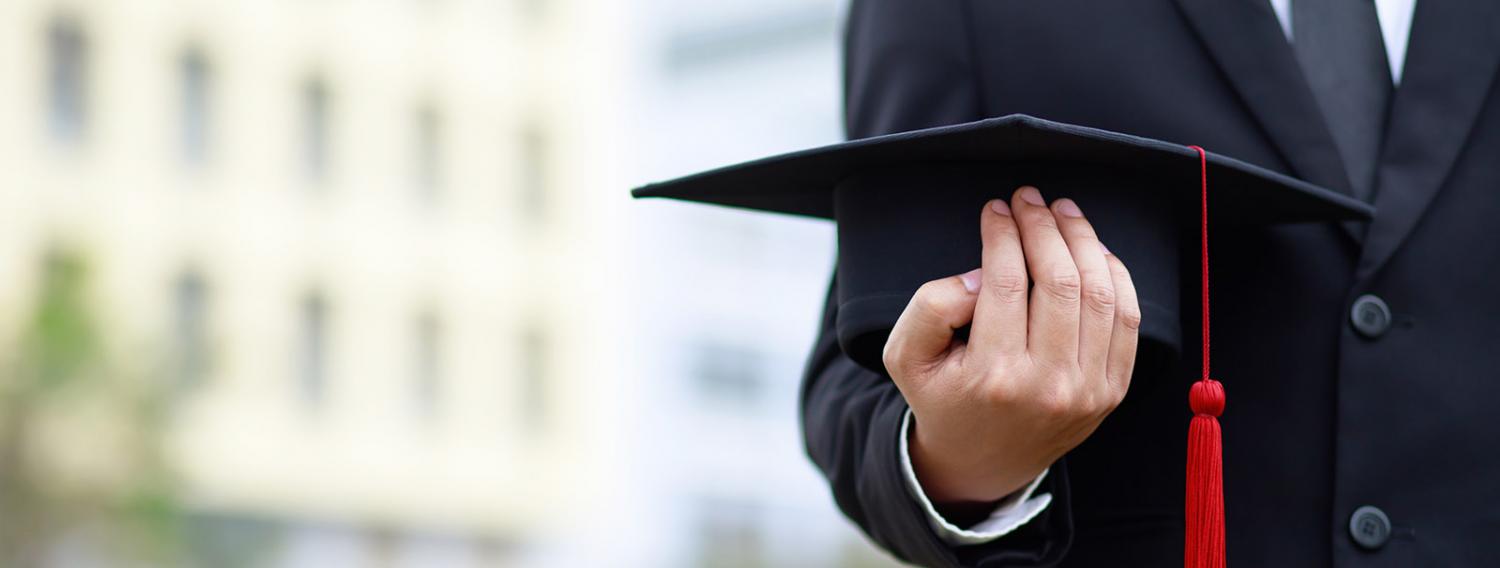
(929, 288)
(1082, 237)
(999, 393)
(1000, 383)
(1090, 404)
(895, 356)
(1130, 317)
(1058, 403)
(1007, 286)
(1062, 282)
(1106, 400)
(1042, 219)
(890, 355)
(1100, 297)
(1118, 271)
(929, 298)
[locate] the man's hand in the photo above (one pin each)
(1043, 365)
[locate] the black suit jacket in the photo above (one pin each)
(1320, 419)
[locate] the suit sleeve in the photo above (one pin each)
(908, 65)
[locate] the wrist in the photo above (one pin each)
(964, 475)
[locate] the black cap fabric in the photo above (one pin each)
(907, 207)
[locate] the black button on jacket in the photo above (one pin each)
(1321, 419)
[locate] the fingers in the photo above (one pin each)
(1000, 316)
(1053, 317)
(924, 332)
(1127, 325)
(1097, 297)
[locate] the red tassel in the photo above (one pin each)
(1205, 478)
(1204, 517)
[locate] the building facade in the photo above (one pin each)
(378, 262)
(345, 237)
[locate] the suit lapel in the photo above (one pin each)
(1450, 67)
(1246, 40)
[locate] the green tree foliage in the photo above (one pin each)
(82, 471)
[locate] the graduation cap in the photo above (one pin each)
(907, 208)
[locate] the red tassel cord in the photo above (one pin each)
(1204, 547)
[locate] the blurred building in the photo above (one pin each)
(346, 237)
(378, 259)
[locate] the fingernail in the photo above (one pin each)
(970, 280)
(1104, 248)
(1068, 209)
(1031, 195)
(999, 206)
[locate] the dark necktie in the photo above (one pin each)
(1339, 45)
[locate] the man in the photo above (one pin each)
(1361, 376)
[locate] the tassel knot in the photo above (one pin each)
(1207, 398)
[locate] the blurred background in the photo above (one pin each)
(348, 283)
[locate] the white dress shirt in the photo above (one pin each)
(1020, 507)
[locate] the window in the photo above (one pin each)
(67, 69)
(190, 330)
(429, 152)
(312, 348)
(728, 375)
(315, 128)
(535, 371)
(194, 76)
(534, 178)
(428, 368)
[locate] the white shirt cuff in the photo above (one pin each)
(1012, 512)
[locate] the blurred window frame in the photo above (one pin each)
(428, 338)
(535, 175)
(191, 323)
(428, 153)
(195, 75)
(312, 349)
(536, 377)
(68, 70)
(315, 126)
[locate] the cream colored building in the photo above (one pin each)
(353, 235)
(381, 255)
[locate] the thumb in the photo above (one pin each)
(925, 329)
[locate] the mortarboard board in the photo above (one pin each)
(907, 207)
